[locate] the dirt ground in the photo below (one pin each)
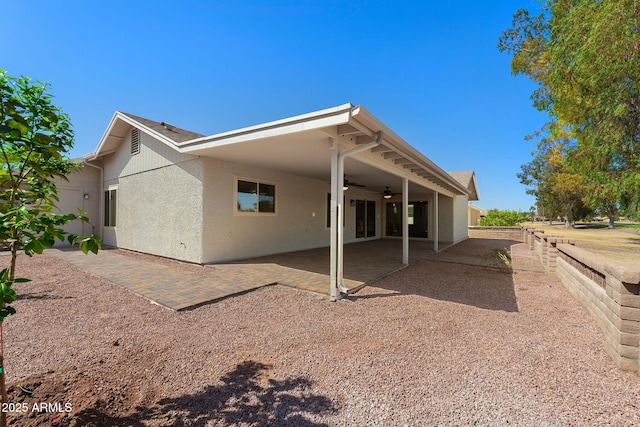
(434, 344)
(621, 244)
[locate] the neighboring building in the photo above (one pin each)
(155, 188)
(475, 213)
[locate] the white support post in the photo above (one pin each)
(340, 222)
(436, 208)
(334, 224)
(405, 221)
(337, 212)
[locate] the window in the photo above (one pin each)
(110, 197)
(135, 141)
(255, 197)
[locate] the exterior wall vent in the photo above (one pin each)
(135, 141)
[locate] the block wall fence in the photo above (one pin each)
(506, 233)
(609, 291)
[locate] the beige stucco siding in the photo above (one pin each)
(299, 222)
(452, 218)
(153, 155)
(445, 218)
(72, 197)
(460, 218)
(159, 200)
(160, 211)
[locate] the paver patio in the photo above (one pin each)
(307, 270)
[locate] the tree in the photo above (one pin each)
(585, 57)
(35, 137)
(560, 191)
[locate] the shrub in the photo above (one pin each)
(498, 218)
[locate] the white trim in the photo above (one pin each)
(334, 116)
(264, 131)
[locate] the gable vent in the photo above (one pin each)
(135, 141)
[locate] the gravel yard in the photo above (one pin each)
(433, 344)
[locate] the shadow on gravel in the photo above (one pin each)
(478, 286)
(246, 395)
(41, 296)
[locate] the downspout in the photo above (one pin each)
(339, 259)
(100, 195)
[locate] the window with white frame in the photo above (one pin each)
(110, 197)
(255, 197)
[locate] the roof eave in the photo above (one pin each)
(119, 116)
(363, 116)
(316, 120)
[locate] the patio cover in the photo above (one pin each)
(325, 145)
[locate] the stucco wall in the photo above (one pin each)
(160, 211)
(71, 195)
(299, 222)
(460, 218)
(159, 200)
(445, 219)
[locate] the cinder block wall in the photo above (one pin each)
(611, 293)
(608, 290)
(502, 233)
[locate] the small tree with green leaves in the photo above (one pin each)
(35, 138)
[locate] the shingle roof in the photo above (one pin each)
(174, 133)
(466, 178)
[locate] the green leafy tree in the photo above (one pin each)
(35, 137)
(585, 57)
(560, 191)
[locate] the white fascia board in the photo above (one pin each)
(118, 116)
(400, 145)
(475, 186)
(105, 135)
(317, 120)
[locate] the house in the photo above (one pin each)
(276, 187)
(475, 214)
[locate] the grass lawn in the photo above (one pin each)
(621, 244)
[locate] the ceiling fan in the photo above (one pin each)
(348, 184)
(387, 194)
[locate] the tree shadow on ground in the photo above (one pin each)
(44, 295)
(245, 396)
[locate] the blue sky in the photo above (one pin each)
(429, 70)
